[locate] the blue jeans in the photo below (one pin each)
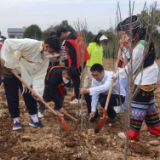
(42, 106)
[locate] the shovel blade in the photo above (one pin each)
(100, 124)
(63, 122)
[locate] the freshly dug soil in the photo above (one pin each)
(81, 143)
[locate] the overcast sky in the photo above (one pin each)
(100, 14)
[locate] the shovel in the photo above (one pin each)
(102, 121)
(40, 99)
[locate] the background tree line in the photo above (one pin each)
(110, 46)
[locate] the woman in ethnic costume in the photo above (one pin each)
(145, 71)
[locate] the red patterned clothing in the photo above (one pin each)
(143, 108)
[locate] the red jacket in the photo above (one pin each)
(80, 49)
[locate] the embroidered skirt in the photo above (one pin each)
(143, 108)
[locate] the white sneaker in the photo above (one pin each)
(40, 115)
(122, 135)
(59, 113)
(75, 101)
(17, 126)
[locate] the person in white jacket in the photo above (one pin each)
(99, 92)
(30, 59)
(145, 75)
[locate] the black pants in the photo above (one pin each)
(66, 62)
(102, 99)
(12, 86)
(76, 83)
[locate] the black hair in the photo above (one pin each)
(97, 37)
(119, 27)
(53, 43)
(97, 67)
(52, 34)
(132, 22)
(60, 30)
(135, 31)
(143, 35)
(3, 37)
(71, 71)
(73, 31)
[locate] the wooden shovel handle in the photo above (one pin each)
(39, 98)
(71, 117)
(111, 86)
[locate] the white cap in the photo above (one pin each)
(103, 37)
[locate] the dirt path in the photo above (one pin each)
(52, 143)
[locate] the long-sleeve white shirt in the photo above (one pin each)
(147, 76)
(102, 87)
(125, 53)
(25, 57)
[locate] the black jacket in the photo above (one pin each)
(71, 50)
(55, 78)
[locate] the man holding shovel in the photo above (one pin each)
(30, 59)
(99, 92)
